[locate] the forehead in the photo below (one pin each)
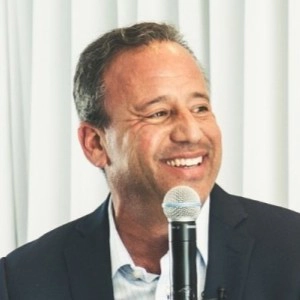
(157, 58)
(162, 69)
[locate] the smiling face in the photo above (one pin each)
(163, 132)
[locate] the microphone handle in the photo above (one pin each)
(183, 250)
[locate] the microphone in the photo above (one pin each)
(182, 205)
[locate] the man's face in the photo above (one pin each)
(163, 132)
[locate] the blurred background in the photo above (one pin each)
(249, 49)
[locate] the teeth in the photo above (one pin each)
(185, 162)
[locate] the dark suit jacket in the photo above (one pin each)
(254, 253)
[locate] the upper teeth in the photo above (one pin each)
(185, 162)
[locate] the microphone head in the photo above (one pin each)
(181, 204)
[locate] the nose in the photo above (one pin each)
(186, 128)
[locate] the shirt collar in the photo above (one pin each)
(202, 223)
(120, 255)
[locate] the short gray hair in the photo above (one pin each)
(89, 88)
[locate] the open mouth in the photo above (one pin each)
(185, 162)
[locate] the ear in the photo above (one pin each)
(92, 141)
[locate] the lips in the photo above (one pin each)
(185, 162)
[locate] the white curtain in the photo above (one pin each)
(249, 49)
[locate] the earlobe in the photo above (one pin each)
(92, 141)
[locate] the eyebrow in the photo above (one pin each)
(200, 95)
(164, 98)
(142, 106)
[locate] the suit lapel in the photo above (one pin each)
(88, 253)
(229, 246)
(88, 258)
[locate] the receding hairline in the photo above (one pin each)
(141, 48)
(97, 57)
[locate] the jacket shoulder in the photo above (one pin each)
(264, 221)
(56, 239)
(39, 267)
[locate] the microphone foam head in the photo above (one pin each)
(181, 204)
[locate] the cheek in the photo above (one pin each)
(219, 137)
(216, 140)
(145, 143)
(149, 140)
(213, 132)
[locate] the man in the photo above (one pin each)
(147, 122)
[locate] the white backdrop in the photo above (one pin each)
(249, 49)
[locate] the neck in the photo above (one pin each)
(144, 232)
(145, 249)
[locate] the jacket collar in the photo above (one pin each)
(230, 246)
(88, 255)
(88, 258)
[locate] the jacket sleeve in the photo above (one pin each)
(3, 284)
